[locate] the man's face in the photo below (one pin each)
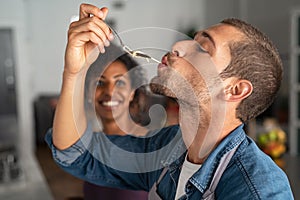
(193, 66)
(190, 73)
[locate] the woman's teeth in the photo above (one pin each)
(110, 103)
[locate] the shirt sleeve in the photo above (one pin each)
(67, 156)
(103, 160)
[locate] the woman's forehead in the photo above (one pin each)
(116, 68)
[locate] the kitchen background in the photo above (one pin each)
(33, 36)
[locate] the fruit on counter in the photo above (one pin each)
(274, 149)
(263, 139)
(273, 142)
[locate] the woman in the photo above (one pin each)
(116, 105)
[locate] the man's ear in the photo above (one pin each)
(238, 90)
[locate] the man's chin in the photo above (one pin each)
(160, 89)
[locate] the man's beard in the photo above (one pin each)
(172, 84)
(169, 83)
(161, 87)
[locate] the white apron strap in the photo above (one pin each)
(209, 194)
(152, 195)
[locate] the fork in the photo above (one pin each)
(133, 53)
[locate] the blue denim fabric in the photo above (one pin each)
(250, 174)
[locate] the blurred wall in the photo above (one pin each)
(40, 28)
(270, 16)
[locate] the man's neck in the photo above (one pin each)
(207, 140)
(205, 126)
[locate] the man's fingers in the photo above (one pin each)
(105, 12)
(92, 24)
(90, 38)
(86, 10)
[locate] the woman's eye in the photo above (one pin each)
(120, 83)
(100, 83)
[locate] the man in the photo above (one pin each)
(228, 74)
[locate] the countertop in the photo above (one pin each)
(31, 185)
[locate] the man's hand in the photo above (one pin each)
(90, 35)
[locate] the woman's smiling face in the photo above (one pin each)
(114, 92)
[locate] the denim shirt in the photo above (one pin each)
(250, 174)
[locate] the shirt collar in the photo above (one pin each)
(203, 176)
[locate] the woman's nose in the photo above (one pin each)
(109, 89)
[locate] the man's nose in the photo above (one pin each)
(182, 48)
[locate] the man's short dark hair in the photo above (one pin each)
(256, 59)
